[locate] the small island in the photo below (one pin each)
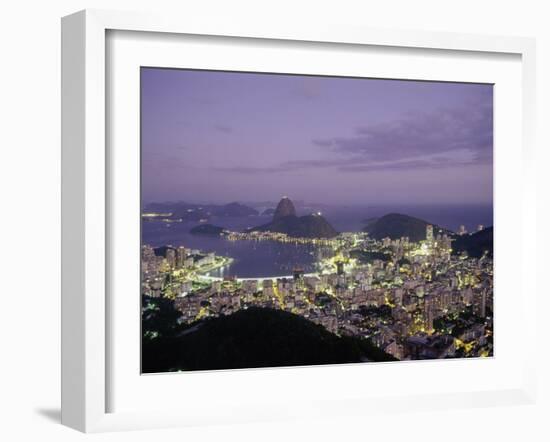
(207, 229)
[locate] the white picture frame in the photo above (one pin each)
(85, 209)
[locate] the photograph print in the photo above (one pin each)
(299, 220)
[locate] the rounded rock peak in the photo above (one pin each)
(284, 208)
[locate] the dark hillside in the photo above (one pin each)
(256, 337)
(397, 225)
(476, 244)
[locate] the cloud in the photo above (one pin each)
(449, 137)
(356, 165)
(421, 134)
(287, 166)
(432, 164)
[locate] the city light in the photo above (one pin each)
(417, 285)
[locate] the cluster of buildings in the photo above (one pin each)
(173, 271)
(419, 301)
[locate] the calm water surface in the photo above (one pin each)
(268, 258)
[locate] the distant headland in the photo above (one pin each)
(286, 221)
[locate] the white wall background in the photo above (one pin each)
(30, 220)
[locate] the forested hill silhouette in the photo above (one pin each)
(256, 337)
(397, 225)
(476, 244)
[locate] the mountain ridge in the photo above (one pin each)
(398, 225)
(195, 212)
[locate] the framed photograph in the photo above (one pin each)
(269, 223)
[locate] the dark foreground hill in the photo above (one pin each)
(476, 244)
(397, 225)
(252, 338)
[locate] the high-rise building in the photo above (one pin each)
(147, 253)
(164, 266)
(267, 287)
(462, 230)
(467, 296)
(429, 321)
(480, 227)
(430, 233)
(480, 304)
(171, 257)
(181, 255)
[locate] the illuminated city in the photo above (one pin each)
(370, 247)
(414, 300)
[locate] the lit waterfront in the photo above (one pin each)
(278, 237)
(412, 293)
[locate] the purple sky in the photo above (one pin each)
(222, 137)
